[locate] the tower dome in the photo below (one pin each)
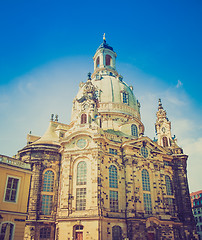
(114, 96)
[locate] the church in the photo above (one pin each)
(99, 177)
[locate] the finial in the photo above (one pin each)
(160, 104)
(104, 37)
(89, 76)
(56, 118)
(52, 116)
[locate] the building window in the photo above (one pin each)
(113, 198)
(147, 203)
(80, 199)
(144, 152)
(48, 181)
(169, 189)
(134, 131)
(113, 181)
(165, 142)
(170, 205)
(83, 118)
(45, 232)
(46, 206)
(11, 189)
(145, 180)
(125, 97)
(6, 231)
(108, 60)
(200, 219)
(116, 233)
(97, 62)
(112, 151)
(47, 192)
(81, 173)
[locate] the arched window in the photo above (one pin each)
(145, 180)
(83, 118)
(45, 233)
(6, 230)
(81, 173)
(165, 142)
(116, 233)
(113, 181)
(134, 131)
(108, 60)
(169, 189)
(97, 62)
(48, 181)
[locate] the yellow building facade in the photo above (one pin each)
(14, 192)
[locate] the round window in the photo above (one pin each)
(81, 143)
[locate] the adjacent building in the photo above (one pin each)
(14, 192)
(100, 177)
(196, 202)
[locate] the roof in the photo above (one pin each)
(50, 136)
(105, 45)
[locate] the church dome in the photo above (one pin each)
(112, 93)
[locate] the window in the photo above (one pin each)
(83, 118)
(196, 219)
(125, 97)
(6, 231)
(11, 189)
(116, 233)
(147, 203)
(170, 205)
(45, 233)
(113, 198)
(145, 180)
(200, 219)
(169, 189)
(134, 131)
(112, 151)
(108, 60)
(48, 181)
(47, 192)
(46, 206)
(113, 182)
(81, 173)
(98, 62)
(144, 152)
(165, 142)
(80, 199)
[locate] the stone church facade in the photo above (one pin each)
(100, 178)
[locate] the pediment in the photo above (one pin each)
(145, 142)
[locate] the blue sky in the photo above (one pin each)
(47, 49)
